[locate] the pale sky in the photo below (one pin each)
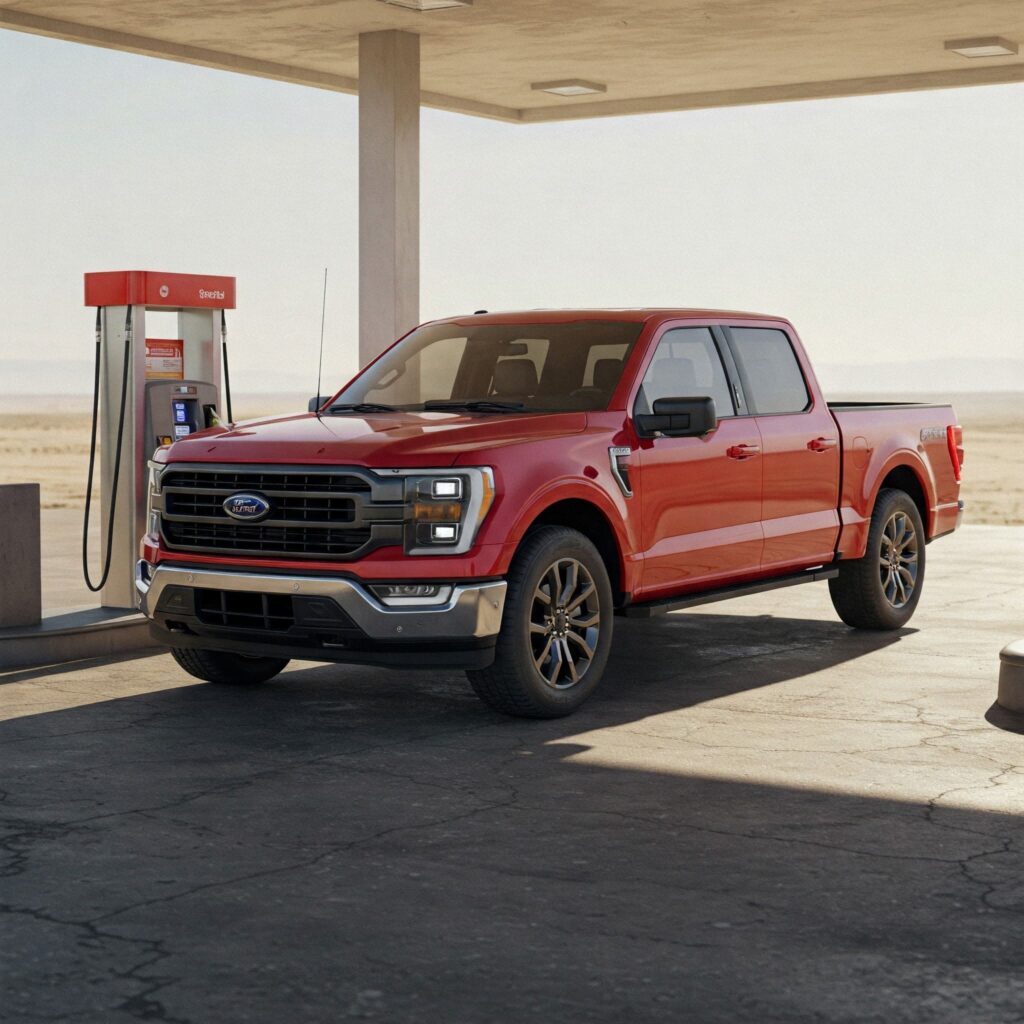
(889, 229)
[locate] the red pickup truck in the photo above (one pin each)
(494, 489)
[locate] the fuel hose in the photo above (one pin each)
(117, 454)
(227, 375)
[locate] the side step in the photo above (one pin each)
(645, 609)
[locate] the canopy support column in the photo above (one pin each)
(389, 188)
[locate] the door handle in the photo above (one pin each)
(743, 451)
(822, 444)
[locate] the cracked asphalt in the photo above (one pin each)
(762, 816)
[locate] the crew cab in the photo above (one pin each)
(493, 490)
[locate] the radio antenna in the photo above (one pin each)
(320, 363)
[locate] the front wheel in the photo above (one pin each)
(225, 667)
(556, 629)
(881, 590)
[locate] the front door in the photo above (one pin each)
(700, 496)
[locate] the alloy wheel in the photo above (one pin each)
(898, 560)
(565, 623)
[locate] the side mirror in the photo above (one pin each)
(679, 417)
(316, 402)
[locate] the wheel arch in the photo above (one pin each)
(906, 476)
(587, 518)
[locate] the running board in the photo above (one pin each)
(645, 609)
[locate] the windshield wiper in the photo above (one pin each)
(363, 407)
(472, 405)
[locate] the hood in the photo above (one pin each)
(398, 440)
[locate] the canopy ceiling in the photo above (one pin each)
(649, 54)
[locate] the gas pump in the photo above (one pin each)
(148, 392)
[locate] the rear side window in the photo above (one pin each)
(771, 374)
(686, 364)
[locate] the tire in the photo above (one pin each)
(881, 590)
(224, 667)
(531, 677)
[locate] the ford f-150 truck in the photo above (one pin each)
(494, 489)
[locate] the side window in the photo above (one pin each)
(772, 380)
(686, 364)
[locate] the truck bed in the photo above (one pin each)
(877, 435)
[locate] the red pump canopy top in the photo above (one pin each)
(153, 288)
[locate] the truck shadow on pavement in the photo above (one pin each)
(348, 843)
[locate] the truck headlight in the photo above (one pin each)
(445, 509)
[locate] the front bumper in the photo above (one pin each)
(324, 618)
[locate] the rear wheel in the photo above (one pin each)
(556, 629)
(225, 667)
(881, 590)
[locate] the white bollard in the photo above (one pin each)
(1011, 677)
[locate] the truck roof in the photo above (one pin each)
(637, 315)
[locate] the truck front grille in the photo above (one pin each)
(297, 508)
(322, 513)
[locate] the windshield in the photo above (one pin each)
(498, 368)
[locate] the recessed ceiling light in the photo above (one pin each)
(985, 46)
(428, 5)
(570, 87)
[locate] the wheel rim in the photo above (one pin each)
(565, 623)
(898, 560)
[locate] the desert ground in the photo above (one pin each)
(46, 439)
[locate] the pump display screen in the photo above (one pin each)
(183, 416)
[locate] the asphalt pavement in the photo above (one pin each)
(761, 816)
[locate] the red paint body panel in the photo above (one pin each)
(697, 518)
(380, 441)
(877, 441)
(155, 289)
(701, 509)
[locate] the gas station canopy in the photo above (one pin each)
(541, 60)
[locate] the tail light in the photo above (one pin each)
(955, 443)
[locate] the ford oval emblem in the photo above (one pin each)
(248, 508)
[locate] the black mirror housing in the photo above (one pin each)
(316, 402)
(679, 417)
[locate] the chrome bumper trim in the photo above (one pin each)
(472, 612)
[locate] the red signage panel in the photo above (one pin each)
(152, 288)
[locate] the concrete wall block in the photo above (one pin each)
(20, 576)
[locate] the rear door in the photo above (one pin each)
(701, 496)
(800, 449)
